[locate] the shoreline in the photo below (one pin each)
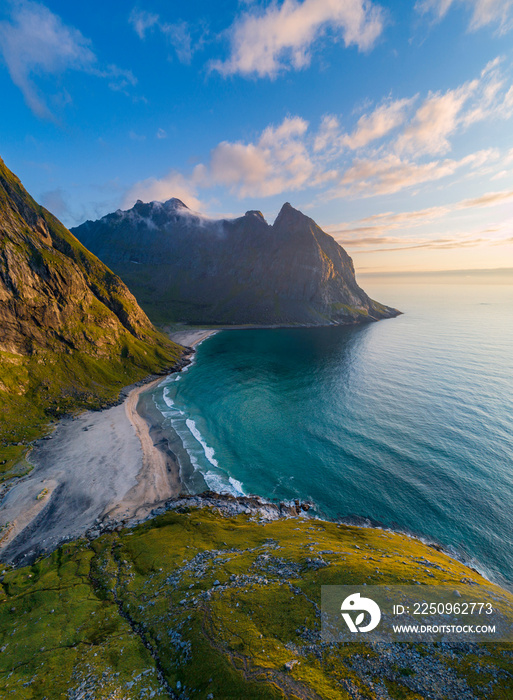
(363, 522)
(260, 505)
(174, 334)
(159, 479)
(156, 486)
(261, 511)
(108, 465)
(192, 337)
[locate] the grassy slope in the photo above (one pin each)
(139, 611)
(37, 389)
(104, 342)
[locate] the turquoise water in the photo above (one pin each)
(407, 422)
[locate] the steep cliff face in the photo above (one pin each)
(71, 332)
(184, 267)
(53, 292)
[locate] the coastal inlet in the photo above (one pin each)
(406, 422)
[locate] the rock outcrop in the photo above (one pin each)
(182, 266)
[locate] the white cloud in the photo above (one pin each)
(178, 34)
(441, 115)
(490, 199)
(370, 127)
(484, 12)
(489, 99)
(452, 240)
(429, 130)
(281, 37)
(180, 38)
(508, 158)
(328, 136)
(436, 119)
(387, 221)
(507, 104)
(393, 231)
(380, 122)
(119, 78)
(500, 175)
(390, 174)
(142, 21)
(174, 184)
(292, 156)
(278, 161)
(35, 42)
(398, 219)
(161, 134)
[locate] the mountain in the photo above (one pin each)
(182, 266)
(72, 334)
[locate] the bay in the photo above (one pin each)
(406, 422)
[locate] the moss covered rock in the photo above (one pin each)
(220, 602)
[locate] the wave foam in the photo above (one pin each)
(209, 451)
(237, 485)
(186, 428)
(167, 399)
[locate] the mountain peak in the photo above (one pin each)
(288, 210)
(175, 203)
(169, 205)
(256, 213)
(290, 218)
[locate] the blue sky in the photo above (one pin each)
(389, 123)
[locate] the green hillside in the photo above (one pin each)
(72, 335)
(201, 603)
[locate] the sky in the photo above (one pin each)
(390, 123)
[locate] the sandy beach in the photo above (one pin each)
(100, 464)
(190, 338)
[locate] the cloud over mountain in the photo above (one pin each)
(398, 144)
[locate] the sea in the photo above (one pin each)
(406, 423)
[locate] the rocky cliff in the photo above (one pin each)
(184, 267)
(71, 332)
